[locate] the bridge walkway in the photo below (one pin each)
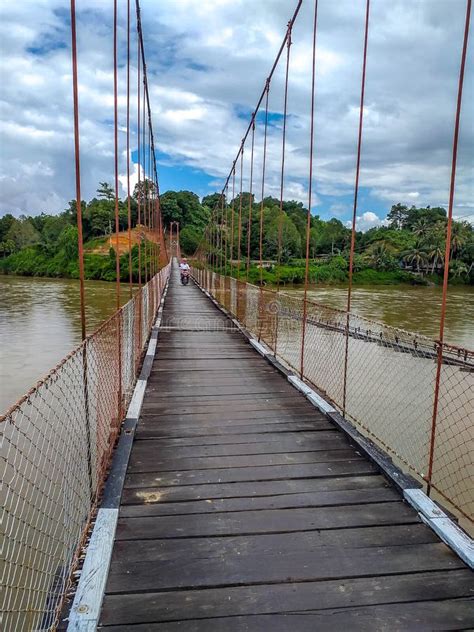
(245, 509)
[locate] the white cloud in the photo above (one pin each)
(366, 221)
(205, 58)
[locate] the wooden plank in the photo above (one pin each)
(251, 439)
(212, 394)
(277, 598)
(157, 550)
(266, 473)
(291, 406)
(239, 569)
(148, 428)
(275, 521)
(449, 614)
(206, 396)
(145, 459)
(253, 488)
(152, 504)
(205, 365)
(285, 444)
(238, 417)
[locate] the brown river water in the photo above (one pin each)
(40, 322)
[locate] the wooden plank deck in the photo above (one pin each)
(245, 509)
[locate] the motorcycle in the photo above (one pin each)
(185, 277)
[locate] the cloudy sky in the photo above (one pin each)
(207, 62)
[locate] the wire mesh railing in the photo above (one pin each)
(55, 450)
(380, 377)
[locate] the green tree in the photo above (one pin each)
(458, 269)
(189, 240)
(380, 255)
(416, 257)
(5, 222)
(290, 239)
(68, 243)
(22, 233)
(105, 191)
(212, 201)
(397, 216)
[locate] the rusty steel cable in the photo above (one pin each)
(117, 223)
(226, 230)
(249, 224)
(282, 172)
(452, 187)
(77, 160)
(129, 210)
(264, 162)
(283, 148)
(356, 192)
(221, 233)
(270, 75)
(263, 93)
(239, 224)
(139, 169)
(116, 170)
(310, 187)
(232, 219)
(145, 247)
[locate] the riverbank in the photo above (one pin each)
(36, 261)
(335, 272)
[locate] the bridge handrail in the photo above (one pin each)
(55, 450)
(384, 385)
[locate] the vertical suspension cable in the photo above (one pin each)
(129, 210)
(145, 186)
(249, 225)
(90, 465)
(139, 204)
(221, 233)
(232, 221)
(149, 198)
(447, 254)
(260, 243)
(226, 234)
(117, 224)
(240, 208)
(78, 170)
(139, 169)
(310, 190)
(356, 194)
(283, 147)
(262, 194)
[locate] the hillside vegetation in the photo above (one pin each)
(408, 249)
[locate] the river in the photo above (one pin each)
(40, 321)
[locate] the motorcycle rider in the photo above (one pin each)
(184, 267)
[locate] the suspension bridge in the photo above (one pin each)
(226, 456)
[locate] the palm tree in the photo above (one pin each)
(417, 257)
(421, 228)
(458, 268)
(460, 234)
(436, 253)
(436, 244)
(380, 254)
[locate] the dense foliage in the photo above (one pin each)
(409, 248)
